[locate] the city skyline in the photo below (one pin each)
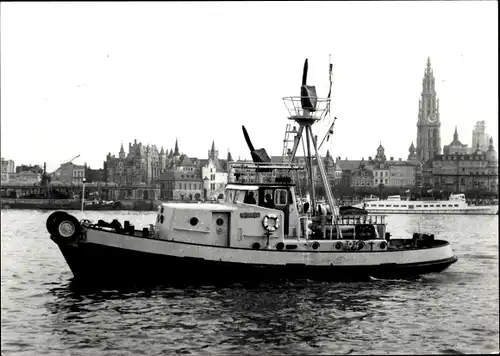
(86, 90)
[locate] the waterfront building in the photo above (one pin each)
(455, 146)
(94, 175)
(23, 168)
(69, 173)
(428, 124)
(379, 171)
(193, 179)
(480, 137)
(214, 174)
(8, 166)
(459, 171)
(24, 178)
(180, 185)
(141, 165)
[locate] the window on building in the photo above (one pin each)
(456, 205)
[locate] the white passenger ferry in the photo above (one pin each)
(456, 204)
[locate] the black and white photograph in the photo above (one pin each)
(249, 178)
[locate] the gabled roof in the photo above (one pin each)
(184, 161)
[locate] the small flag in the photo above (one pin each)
(330, 130)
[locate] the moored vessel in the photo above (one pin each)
(260, 231)
(456, 204)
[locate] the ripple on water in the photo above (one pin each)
(44, 313)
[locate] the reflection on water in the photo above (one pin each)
(45, 313)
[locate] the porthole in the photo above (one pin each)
(193, 221)
(219, 221)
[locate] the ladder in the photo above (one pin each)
(286, 151)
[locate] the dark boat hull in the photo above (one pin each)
(98, 264)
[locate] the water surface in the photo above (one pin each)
(456, 311)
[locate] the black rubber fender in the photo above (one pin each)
(66, 228)
(51, 220)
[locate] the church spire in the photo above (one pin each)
(122, 152)
(428, 124)
(455, 135)
(212, 153)
(176, 150)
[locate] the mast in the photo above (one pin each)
(306, 110)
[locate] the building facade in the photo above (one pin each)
(179, 185)
(428, 124)
(141, 165)
(460, 172)
(480, 139)
(8, 166)
(455, 146)
(69, 173)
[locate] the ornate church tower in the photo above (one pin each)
(213, 154)
(428, 124)
(122, 152)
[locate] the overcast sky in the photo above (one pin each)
(82, 78)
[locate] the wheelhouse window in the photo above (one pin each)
(280, 197)
(230, 195)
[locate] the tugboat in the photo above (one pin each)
(261, 231)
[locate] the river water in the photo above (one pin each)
(456, 311)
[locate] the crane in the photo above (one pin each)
(72, 159)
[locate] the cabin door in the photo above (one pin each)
(281, 203)
(220, 228)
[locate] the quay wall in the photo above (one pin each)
(74, 204)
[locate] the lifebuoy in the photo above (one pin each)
(315, 245)
(360, 245)
(339, 245)
(265, 222)
(66, 228)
